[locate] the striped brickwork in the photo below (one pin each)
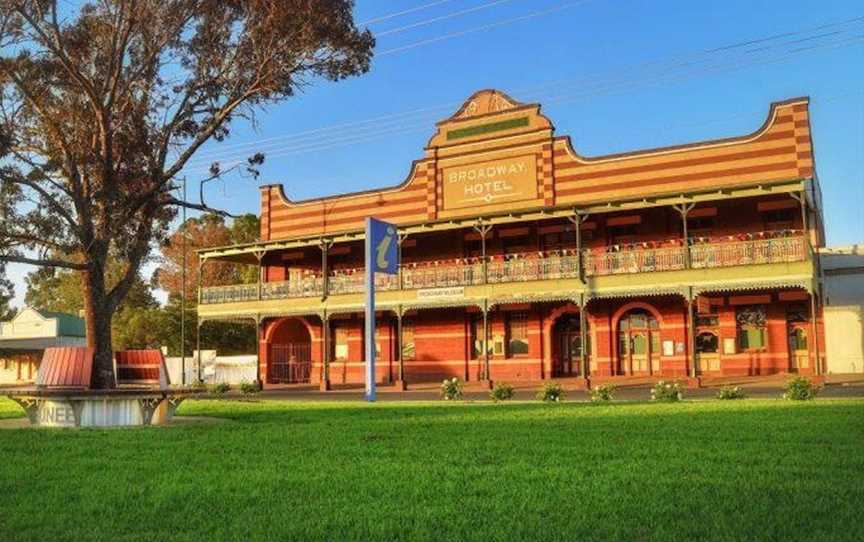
(495, 128)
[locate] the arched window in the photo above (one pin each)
(707, 343)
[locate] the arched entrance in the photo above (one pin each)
(567, 346)
(638, 343)
(290, 357)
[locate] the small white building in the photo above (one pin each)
(843, 273)
(25, 337)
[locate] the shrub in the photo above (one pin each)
(551, 393)
(731, 392)
(220, 388)
(800, 389)
(667, 392)
(197, 385)
(250, 388)
(604, 392)
(501, 392)
(451, 389)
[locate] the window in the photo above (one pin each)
(340, 344)
(517, 334)
(559, 240)
(623, 234)
(798, 339)
(707, 343)
(707, 320)
(751, 327)
(700, 224)
(408, 350)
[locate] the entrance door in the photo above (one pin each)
(707, 352)
(638, 343)
(568, 346)
(799, 354)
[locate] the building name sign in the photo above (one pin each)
(439, 293)
(495, 181)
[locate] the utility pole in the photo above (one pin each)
(183, 291)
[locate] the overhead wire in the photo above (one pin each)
(526, 93)
(559, 96)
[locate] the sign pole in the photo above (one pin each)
(382, 256)
(370, 313)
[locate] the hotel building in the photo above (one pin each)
(522, 260)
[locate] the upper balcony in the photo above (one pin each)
(777, 247)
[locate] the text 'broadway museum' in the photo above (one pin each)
(522, 260)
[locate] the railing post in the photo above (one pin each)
(684, 209)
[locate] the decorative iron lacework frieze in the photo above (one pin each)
(751, 316)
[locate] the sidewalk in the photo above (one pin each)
(842, 386)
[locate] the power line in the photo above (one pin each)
(404, 12)
(587, 87)
(440, 18)
(481, 28)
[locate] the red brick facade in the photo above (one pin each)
(606, 299)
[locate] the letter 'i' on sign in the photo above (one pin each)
(382, 256)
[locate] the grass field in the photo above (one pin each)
(760, 470)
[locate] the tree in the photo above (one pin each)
(59, 290)
(100, 111)
(7, 293)
(207, 231)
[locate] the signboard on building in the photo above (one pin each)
(441, 293)
(491, 182)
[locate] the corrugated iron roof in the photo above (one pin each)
(65, 367)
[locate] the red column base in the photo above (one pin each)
(324, 385)
(400, 385)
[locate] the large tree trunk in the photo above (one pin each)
(97, 314)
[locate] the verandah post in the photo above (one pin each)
(691, 336)
(583, 335)
(684, 209)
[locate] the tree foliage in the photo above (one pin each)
(7, 293)
(210, 230)
(102, 108)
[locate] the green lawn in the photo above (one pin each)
(760, 470)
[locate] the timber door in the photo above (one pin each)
(638, 344)
(799, 354)
(568, 346)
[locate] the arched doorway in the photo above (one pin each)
(567, 346)
(290, 359)
(638, 343)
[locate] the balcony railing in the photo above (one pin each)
(634, 261)
(529, 266)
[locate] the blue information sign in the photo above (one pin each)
(382, 256)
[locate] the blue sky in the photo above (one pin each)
(614, 75)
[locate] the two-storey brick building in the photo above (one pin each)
(523, 260)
